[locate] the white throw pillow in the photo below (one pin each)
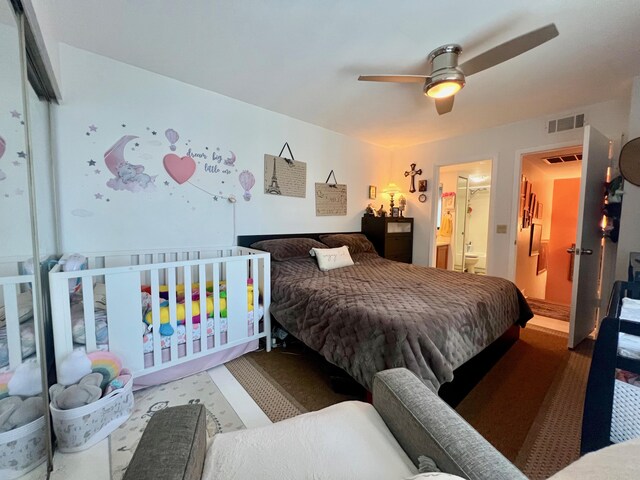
(346, 441)
(330, 258)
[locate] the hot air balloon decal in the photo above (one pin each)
(173, 138)
(247, 181)
(3, 146)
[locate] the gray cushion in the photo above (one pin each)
(424, 425)
(173, 446)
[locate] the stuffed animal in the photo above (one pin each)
(86, 391)
(25, 381)
(15, 412)
(75, 366)
(106, 363)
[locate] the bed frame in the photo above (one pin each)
(467, 375)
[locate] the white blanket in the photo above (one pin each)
(345, 441)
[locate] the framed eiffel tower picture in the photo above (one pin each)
(285, 177)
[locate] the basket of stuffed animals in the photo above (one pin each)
(84, 411)
(22, 449)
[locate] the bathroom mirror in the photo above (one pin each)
(630, 161)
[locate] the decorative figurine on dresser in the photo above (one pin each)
(391, 236)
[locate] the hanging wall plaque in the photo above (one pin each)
(284, 176)
(331, 198)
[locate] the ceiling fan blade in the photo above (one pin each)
(393, 78)
(444, 105)
(509, 49)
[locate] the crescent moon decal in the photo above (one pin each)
(231, 160)
(115, 155)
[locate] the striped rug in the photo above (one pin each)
(549, 309)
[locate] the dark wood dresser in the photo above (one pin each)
(392, 236)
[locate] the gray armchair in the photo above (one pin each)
(419, 420)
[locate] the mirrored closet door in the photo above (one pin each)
(26, 206)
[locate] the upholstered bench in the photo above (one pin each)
(172, 447)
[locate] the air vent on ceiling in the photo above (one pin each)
(562, 159)
(565, 123)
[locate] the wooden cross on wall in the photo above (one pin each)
(413, 172)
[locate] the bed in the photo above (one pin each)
(145, 307)
(380, 314)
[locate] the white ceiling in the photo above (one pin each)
(302, 58)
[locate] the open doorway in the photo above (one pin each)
(547, 227)
(462, 222)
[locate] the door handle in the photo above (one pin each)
(571, 250)
(586, 251)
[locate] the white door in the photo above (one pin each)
(586, 267)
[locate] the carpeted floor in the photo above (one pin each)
(550, 309)
(529, 406)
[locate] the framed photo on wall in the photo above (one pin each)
(542, 258)
(536, 239)
(373, 190)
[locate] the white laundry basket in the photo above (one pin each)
(22, 449)
(80, 428)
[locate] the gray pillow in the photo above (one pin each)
(356, 242)
(286, 248)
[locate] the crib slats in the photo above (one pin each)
(155, 313)
(265, 286)
(172, 311)
(236, 299)
(13, 325)
(216, 305)
(202, 278)
(188, 315)
(89, 314)
(256, 294)
(124, 309)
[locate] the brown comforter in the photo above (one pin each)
(379, 314)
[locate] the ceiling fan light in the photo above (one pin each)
(444, 89)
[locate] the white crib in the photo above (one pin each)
(10, 288)
(124, 274)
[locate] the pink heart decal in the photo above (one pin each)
(180, 169)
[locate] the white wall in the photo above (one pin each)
(504, 144)
(100, 92)
(629, 240)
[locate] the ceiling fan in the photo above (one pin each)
(447, 77)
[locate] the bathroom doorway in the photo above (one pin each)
(547, 227)
(462, 226)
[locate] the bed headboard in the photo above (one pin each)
(248, 240)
